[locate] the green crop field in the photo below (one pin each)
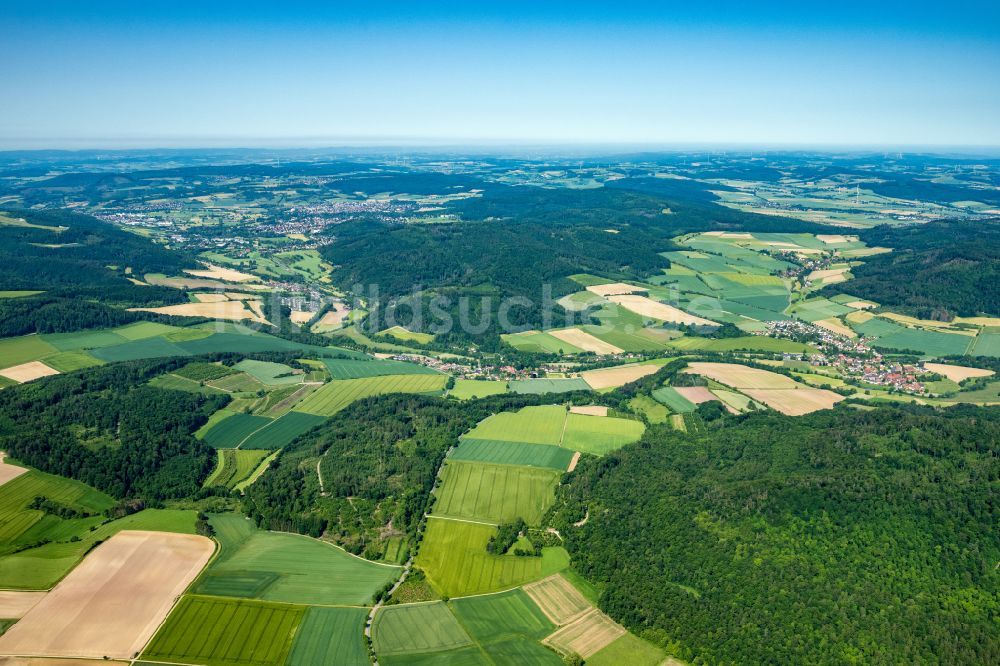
(749, 343)
(987, 344)
(90, 339)
(674, 400)
(21, 525)
(599, 435)
(223, 632)
(819, 308)
(331, 636)
(466, 389)
(15, 351)
(416, 628)
(639, 339)
(71, 360)
(512, 453)
(230, 432)
(627, 649)
(539, 386)
(338, 394)
(276, 566)
(174, 382)
(453, 554)
(233, 466)
(652, 410)
(496, 617)
(523, 652)
(282, 431)
(539, 425)
(271, 374)
(495, 493)
(537, 342)
(401, 333)
(341, 368)
(256, 473)
(239, 382)
(139, 349)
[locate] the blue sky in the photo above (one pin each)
(157, 73)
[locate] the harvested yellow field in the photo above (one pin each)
(558, 599)
(110, 605)
(213, 272)
(795, 402)
(574, 461)
(647, 307)
(696, 394)
(14, 603)
(615, 289)
(28, 371)
(233, 310)
(861, 305)
(834, 325)
(589, 410)
(922, 323)
(829, 275)
(258, 309)
(729, 234)
(43, 661)
(586, 635)
(301, 316)
(835, 238)
(859, 317)
(617, 376)
(239, 296)
(741, 376)
(8, 472)
(978, 321)
(332, 319)
(211, 298)
(956, 373)
(585, 341)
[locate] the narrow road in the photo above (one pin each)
(377, 606)
(319, 474)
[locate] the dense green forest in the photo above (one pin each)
(378, 458)
(843, 536)
(937, 270)
(106, 428)
(512, 241)
(77, 256)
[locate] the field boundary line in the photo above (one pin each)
(460, 520)
(341, 549)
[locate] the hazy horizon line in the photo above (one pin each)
(432, 144)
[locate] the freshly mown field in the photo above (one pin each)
(749, 343)
(292, 568)
(231, 431)
(173, 382)
(110, 605)
(627, 649)
(538, 425)
(651, 409)
(416, 628)
(330, 636)
(495, 493)
(72, 360)
(586, 635)
(512, 453)
(599, 435)
(338, 394)
(239, 382)
(466, 389)
(354, 369)
(538, 342)
(453, 554)
(233, 466)
(223, 632)
(557, 599)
